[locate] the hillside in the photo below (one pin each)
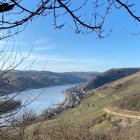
(122, 94)
(126, 90)
(123, 87)
(131, 103)
(108, 77)
(96, 114)
(84, 75)
(19, 80)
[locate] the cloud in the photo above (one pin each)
(44, 44)
(40, 45)
(43, 41)
(50, 58)
(11, 44)
(45, 48)
(60, 63)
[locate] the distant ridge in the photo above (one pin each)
(109, 76)
(19, 80)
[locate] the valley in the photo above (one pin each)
(16, 81)
(100, 108)
(109, 111)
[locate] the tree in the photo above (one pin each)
(14, 114)
(86, 16)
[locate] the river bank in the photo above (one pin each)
(50, 103)
(73, 95)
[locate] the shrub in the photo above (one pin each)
(9, 105)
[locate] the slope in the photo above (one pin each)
(108, 77)
(93, 111)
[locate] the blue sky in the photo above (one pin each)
(63, 50)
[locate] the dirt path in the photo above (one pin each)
(127, 114)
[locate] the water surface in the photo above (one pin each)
(40, 99)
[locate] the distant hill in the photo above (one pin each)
(109, 76)
(123, 87)
(18, 80)
(84, 75)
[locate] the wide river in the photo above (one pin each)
(40, 99)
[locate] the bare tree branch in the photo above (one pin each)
(86, 19)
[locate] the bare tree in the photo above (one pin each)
(10, 88)
(15, 115)
(86, 16)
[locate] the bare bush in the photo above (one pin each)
(7, 106)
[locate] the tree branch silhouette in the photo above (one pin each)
(83, 21)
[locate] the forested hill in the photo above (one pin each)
(17, 80)
(109, 76)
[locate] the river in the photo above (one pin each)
(40, 99)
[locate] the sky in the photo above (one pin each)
(61, 50)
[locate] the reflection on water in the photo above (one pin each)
(42, 98)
